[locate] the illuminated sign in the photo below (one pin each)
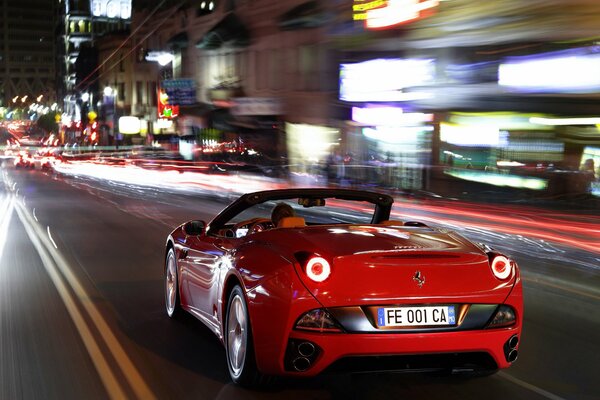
(568, 71)
(165, 108)
(360, 8)
(385, 79)
(396, 12)
(162, 123)
(180, 91)
(129, 125)
(474, 135)
(388, 116)
(120, 9)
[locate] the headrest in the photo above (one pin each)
(291, 222)
(391, 222)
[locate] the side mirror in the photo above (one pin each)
(194, 228)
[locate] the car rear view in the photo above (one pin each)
(404, 298)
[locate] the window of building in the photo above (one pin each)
(307, 68)
(152, 95)
(139, 92)
(121, 91)
(261, 69)
(274, 69)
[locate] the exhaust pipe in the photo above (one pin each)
(301, 364)
(510, 348)
(306, 349)
(300, 355)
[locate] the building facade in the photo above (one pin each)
(402, 104)
(27, 51)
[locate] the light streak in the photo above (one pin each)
(581, 232)
(5, 217)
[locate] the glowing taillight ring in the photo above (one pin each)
(501, 267)
(318, 275)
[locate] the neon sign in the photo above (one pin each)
(361, 7)
(166, 110)
(111, 8)
(396, 12)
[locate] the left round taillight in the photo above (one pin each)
(502, 267)
(318, 269)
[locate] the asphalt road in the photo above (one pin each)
(82, 314)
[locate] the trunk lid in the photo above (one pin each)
(375, 264)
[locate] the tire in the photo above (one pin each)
(172, 301)
(239, 346)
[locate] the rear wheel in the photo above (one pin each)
(239, 346)
(172, 303)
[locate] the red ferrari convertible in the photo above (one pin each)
(333, 284)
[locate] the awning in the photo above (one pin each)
(230, 30)
(179, 41)
(306, 15)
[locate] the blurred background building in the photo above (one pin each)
(413, 95)
(27, 51)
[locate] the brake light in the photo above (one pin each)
(501, 267)
(318, 269)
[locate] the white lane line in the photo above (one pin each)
(34, 217)
(129, 371)
(5, 217)
(529, 386)
(52, 240)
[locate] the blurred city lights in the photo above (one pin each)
(567, 71)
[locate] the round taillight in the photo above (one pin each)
(501, 267)
(318, 269)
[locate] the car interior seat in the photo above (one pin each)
(291, 222)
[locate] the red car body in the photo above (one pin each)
(375, 269)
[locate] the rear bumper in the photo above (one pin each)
(483, 349)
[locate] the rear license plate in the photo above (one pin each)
(416, 316)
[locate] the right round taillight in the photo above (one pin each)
(318, 269)
(501, 267)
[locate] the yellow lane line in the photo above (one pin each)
(134, 378)
(106, 375)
